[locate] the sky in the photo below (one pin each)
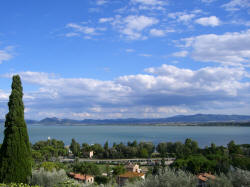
(103, 59)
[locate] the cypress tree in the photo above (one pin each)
(15, 153)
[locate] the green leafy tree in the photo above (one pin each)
(233, 148)
(15, 153)
(49, 166)
(118, 170)
(162, 149)
(86, 168)
(75, 147)
(143, 153)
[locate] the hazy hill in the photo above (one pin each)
(198, 118)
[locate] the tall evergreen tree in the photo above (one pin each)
(15, 153)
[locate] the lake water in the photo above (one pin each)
(99, 134)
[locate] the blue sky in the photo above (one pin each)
(126, 58)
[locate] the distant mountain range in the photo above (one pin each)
(197, 118)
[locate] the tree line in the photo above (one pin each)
(189, 156)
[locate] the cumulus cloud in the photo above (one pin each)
(3, 96)
(150, 4)
(104, 20)
(235, 5)
(229, 48)
(159, 92)
(83, 30)
(101, 2)
(157, 32)
(182, 16)
(207, 1)
(6, 54)
(208, 21)
(181, 54)
(133, 26)
(80, 28)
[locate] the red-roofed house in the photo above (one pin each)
(203, 178)
(133, 168)
(83, 178)
(123, 178)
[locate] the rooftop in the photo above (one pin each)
(131, 175)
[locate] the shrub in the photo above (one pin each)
(170, 178)
(48, 178)
(16, 185)
(240, 178)
(220, 181)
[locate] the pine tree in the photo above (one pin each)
(15, 153)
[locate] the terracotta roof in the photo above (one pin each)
(131, 175)
(205, 176)
(79, 176)
(209, 176)
(202, 178)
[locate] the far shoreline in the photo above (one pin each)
(198, 124)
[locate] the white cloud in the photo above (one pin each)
(186, 17)
(132, 26)
(157, 32)
(150, 4)
(105, 20)
(208, 21)
(81, 115)
(145, 55)
(101, 2)
(161, 91)
(6, 54)
(3, 96)
(182, 16)
(79, 29)
(72, 34)
(235, 5)
(181, 54)
(130, 50)
(229, 48)
(207, 1)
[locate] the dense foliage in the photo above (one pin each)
(131, 150)
(17, 185)
(180, 178)
(42, 177)
(189, 156)
(86, 168)
(46, 150)
(215, 159)
(15, 154)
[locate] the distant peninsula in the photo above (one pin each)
(187, 120)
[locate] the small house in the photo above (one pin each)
(123, 178)
(203, 178)
(83, 178)
(133, 168)
(91, 154)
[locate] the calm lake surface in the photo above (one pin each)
(99, 134)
